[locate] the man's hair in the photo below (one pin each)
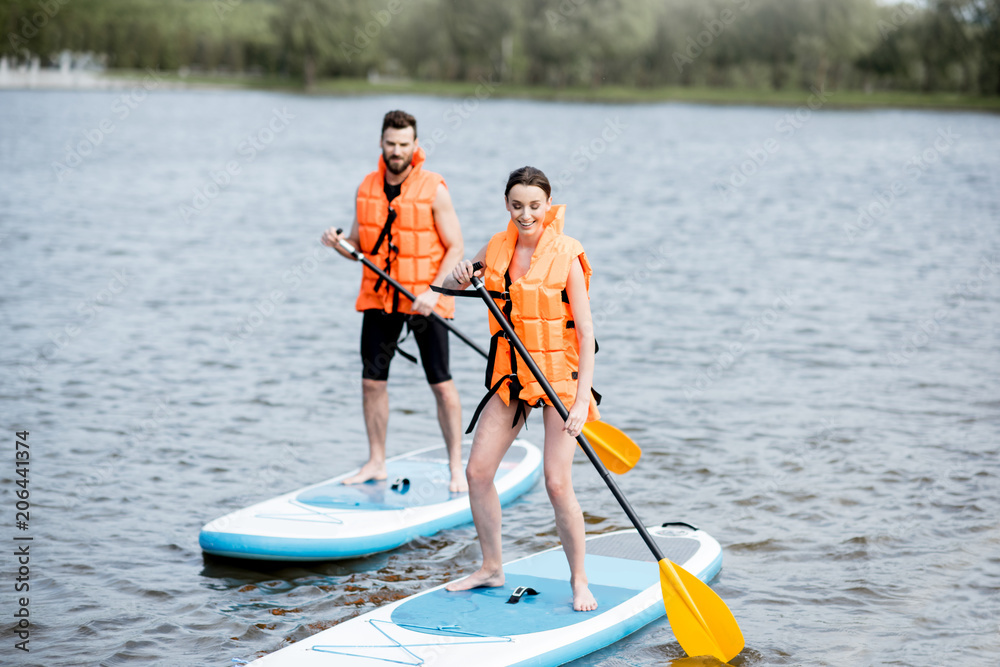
(528, 176)
(399, 120)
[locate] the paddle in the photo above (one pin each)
(358, 255)
(617, 450)
(701, 621)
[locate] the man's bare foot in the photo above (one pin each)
(369, 471)
(458, 483)
(479, 579)
(583, 599)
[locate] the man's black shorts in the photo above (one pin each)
(379, 333)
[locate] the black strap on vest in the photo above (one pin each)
(406, 355)
(511, 378)
(386, 235)
(409, 329)
(515, 384)
(456, 292)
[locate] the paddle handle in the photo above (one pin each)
(358, 255)
(564, 413)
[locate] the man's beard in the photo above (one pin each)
(402, 166)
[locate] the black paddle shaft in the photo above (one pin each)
(564, 413)
(358, 255)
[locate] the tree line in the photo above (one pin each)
(936, 45)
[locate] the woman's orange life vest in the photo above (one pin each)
(538, 308)
(410, 249)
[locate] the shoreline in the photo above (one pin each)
(486, 89)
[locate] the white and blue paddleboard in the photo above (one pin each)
(330, 520)
(480, 627)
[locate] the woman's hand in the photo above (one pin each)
(577, 418)
(462, 273)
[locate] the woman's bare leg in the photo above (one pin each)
(559, 450)
(493, 438)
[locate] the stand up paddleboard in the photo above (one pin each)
(484, 627)
(330, 520)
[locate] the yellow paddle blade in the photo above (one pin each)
(701, 621)
(615, 449)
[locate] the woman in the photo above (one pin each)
(539, 278)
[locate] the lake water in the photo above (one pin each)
(799, 325)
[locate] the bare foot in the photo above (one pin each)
(583, 599)
(369, 471)
(479, 579)
(458, 483)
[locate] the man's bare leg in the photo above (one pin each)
(449, 411)
(375, 403)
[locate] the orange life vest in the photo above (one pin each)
(538, 308)
(409, 248)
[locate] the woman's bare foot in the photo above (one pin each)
(583, 599)
(369, 471)
(481, 578)
(458, 482)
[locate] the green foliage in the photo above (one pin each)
(476, 31)
(417, 43)
(932, 45)
(202, 34)
(317, 34)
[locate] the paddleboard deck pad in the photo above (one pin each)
(482, 628)
(330, 520)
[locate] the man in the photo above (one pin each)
(405, 222)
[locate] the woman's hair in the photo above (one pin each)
(528, 176)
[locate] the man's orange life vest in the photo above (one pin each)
(537, 306)
(408, 247)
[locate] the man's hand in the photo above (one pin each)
(332, 238)
(425, 302)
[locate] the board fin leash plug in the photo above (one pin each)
(519, 593)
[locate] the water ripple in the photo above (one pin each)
(820, 396)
